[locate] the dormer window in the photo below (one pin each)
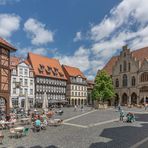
(55, 69)
(54, 73)
(61, 74)
(48, 70)
(41, 68)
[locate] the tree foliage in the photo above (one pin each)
(103, 88)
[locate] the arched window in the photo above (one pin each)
(133, 81)
(125, 80)
(124, 65)
(144, 77)
(129, 66)
(120, 68)
(117, 83)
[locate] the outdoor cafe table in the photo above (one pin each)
(6, 123)
(19, 129)
(25, 120)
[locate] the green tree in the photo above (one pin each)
(103, 88)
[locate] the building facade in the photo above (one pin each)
(22, 82)
(129, 72)
(90, 85)
(50, 80)
(76, 91)
(5, 49)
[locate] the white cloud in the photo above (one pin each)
(37, 32)
(79, 59)
(78, 36)
(8, 24)
(23, 51)
(4, 2)
(127, 23)
(124, 13)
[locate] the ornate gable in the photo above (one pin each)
(144, 66)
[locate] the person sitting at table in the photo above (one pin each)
(38, 123)
(7, 117)
(2, 123)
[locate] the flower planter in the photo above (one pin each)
(100, 105)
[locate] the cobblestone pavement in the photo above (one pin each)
(107, 135)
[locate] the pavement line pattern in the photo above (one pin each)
(91, 125)
(139, 143)
(104, 122)
(76, 125)
(137, 112)
(79, 115)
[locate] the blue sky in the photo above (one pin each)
(81, 33)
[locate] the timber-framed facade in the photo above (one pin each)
(5, 49)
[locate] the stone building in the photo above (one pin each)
(49, 78)
(90, 85)
(129, 72)
(22, 82)
(76, 91)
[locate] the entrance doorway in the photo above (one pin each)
(116, 103)
(124, 99)
(133, 99)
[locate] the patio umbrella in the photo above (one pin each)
(45, 102)
(26, 102)
(10, 103)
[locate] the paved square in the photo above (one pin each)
(76, 132)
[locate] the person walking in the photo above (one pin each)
(75, 108)
(82, 108)
(145, 106)
(121, 115)
(119, 108)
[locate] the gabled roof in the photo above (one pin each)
(14, 61)
(73, 71)
(6, 44)
(139, 54)
(108, 67)
(47, 67)
(90, 82)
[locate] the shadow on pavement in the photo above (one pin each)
(38, 146)
(142, 117)
(122, 137)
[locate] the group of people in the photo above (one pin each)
(76, 108)
(39, 121)
(130, 117)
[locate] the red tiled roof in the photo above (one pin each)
(5, 43)
(108, 67)
(14, 61)
(90, 82)
(139, 54)
(73, 71)
(47, 67)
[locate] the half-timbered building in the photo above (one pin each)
(49, 79)
(5, 49)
